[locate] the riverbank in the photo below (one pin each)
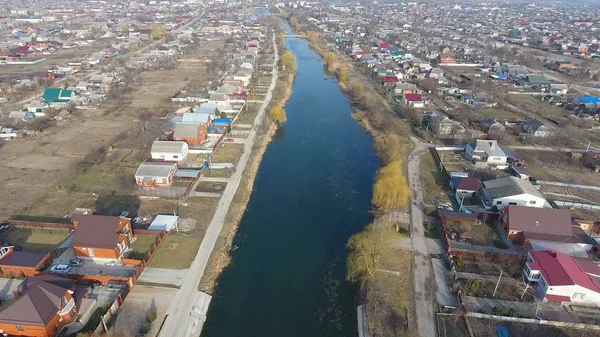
(221, 256)
(387, 292)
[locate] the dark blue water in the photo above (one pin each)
(312, 192)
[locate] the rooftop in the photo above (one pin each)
(509, 186)
(562, 270)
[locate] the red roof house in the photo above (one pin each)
(561, 278)
(384, 45)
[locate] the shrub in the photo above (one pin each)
(460, 262)
(151, 316)
(144, 329)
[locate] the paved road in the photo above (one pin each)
(424, 298)
(182, 319)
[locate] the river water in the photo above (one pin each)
(312, 192)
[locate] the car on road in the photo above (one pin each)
(60, 269)
(76, 263)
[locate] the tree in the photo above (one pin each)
(281, 37)
(330, 58)
(343, 75)
(293, 21)
(277, 113)
(365, 254)
(312, 37)
(158, 31)
(288, 60)
(391, 189)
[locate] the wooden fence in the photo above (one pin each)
(40, 224)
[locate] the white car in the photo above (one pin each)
(60, 269)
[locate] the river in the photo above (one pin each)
(312, 192)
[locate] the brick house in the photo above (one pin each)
(99, 237)
(42, 306)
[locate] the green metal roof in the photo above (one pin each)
(52, 95)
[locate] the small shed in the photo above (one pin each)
(164, 223)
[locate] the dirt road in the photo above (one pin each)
(424, 298)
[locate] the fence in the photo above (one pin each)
(40, 224)
(571, 204)
(534, 321)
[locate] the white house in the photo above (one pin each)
(155, 174)
(486, 152)
(507, 191)
(169, 151)
(559, 278)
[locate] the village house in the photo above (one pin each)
(486, 152)
(558, 278)
(17, 263)
(169, 151)
(499, 193)
(155, 174)
(537, 129)
(191, 133)
(42, 306)
(545, 228)
(99, 237)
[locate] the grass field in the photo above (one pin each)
(176, 252)
(389, 296)
(433, 181)
(35, 240)
(228, 153)
(141, 246)
(210, 186)
(103, 180)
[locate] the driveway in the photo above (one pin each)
(163, 276)
(139, 302)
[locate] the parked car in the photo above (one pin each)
(229, 140)
(124, 214)
(60, 269)
(76, 263)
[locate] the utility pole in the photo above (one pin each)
(524, 291)
(498, 283)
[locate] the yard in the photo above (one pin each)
(176, 252)
(483, 234)
(35, 240)
(228, 153)
(508, 290)
(218, 173)
(433, 181)
(248, 114)
(452, 325)
(141, 246)
(104, 180)
(512, 265)
(211, 186)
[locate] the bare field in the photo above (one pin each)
(29, 168)
(157, 86)
(558, 166)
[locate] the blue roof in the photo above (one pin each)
(221, 121)
(587, 99)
